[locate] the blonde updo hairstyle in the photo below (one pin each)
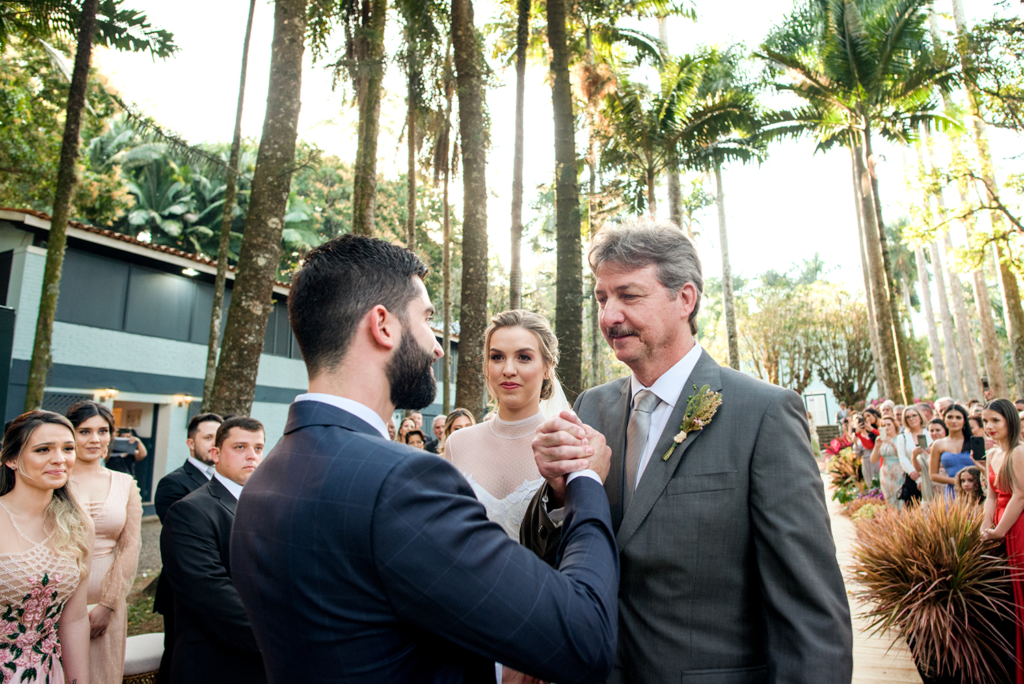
(72, 526)
(547, 342)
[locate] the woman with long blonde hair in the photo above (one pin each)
(45, 538)
(496, 456)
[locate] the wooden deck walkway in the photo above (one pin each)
(873, 661)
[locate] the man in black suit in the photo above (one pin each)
(360, 559)
(213, 641)
(174, 486)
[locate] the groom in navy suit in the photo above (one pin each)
(359, 559)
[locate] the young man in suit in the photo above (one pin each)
(360, 559)
(174, 486)
(213, 641)
(729, 572)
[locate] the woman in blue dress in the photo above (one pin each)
(954, 450)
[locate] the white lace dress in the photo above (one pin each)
(496, 457)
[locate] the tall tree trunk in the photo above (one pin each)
(472, 128)
(410, 127)
(569, 250)
(880, 291)
(956, 386)
(515, 271)
(728, 300)
(57, 238)
(968, 358)
(989, 340)
(876, 353)
(675, 196)
(364, 187)
(1008, 279)
(652, 201)
(446, 236)
(230, 190)
(235, 384)
(902, 391)
(938, 366)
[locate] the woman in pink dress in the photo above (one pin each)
(1003, 511)
(112, 500)
(44, 555)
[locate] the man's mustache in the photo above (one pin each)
(621, 331)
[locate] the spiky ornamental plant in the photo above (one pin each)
(926, 575)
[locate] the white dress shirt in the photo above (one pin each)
(205, 468)
(230, 485)
(358, 410)
(668, 388)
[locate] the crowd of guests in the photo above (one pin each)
(928, 450)
(411, 432)
(70, 534)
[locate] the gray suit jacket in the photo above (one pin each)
(728, 568)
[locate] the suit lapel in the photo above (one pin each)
(221, 493)
(194, 473)
(617, 419)
(658, 472)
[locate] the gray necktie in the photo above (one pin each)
(644, 403)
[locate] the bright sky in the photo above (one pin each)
(795, 204)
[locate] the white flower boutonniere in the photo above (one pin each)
(700, 409)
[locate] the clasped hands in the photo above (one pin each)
(565, 444)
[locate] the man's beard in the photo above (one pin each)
(203, 458)
(413, 386)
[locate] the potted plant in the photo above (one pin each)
(925, 574)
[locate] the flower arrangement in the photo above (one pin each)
(868, 497)
(846, 478)
(867, 510)
(926, 575)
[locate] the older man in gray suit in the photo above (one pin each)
(728, 568)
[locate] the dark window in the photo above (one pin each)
(159, 304)
(6, 260)
(284, 331)
(93, 290)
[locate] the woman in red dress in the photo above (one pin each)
(1005, 502)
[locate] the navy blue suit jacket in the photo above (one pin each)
(364, 560)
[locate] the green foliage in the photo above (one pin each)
(995, 67)
(33, 99)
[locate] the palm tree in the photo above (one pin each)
(235, 381)
(515, 270)
(44, 18)
(227, 217)
(862, 66)
(469, 76)
(938, 366)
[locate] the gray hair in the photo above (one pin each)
(638, 242)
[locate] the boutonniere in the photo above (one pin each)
(700, 409)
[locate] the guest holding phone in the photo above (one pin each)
(126, 450)
(891, 472)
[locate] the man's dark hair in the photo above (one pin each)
(423, 437)
(193, 425)
(242, 422)
(340, 281)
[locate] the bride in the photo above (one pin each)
(496, 456)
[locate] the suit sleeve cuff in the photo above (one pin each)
(558, 515)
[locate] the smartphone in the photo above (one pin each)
(977, 448)
(881, 432)
(123, 446)
(984, 383)
(922, 442)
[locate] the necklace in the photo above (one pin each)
(18, 529)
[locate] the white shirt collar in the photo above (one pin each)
(230, 485)
(670, 385)
(205, 468)
(358, 410)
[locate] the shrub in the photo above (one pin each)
(927, 575)
(867, 511)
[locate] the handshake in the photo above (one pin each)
(565, 445)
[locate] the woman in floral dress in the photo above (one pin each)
(891, 472)
(45, 538)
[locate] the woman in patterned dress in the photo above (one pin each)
(891, 472)
(45, 538)
(112, 500)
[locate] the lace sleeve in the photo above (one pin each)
(118, 580)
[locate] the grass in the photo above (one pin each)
(141, 618)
